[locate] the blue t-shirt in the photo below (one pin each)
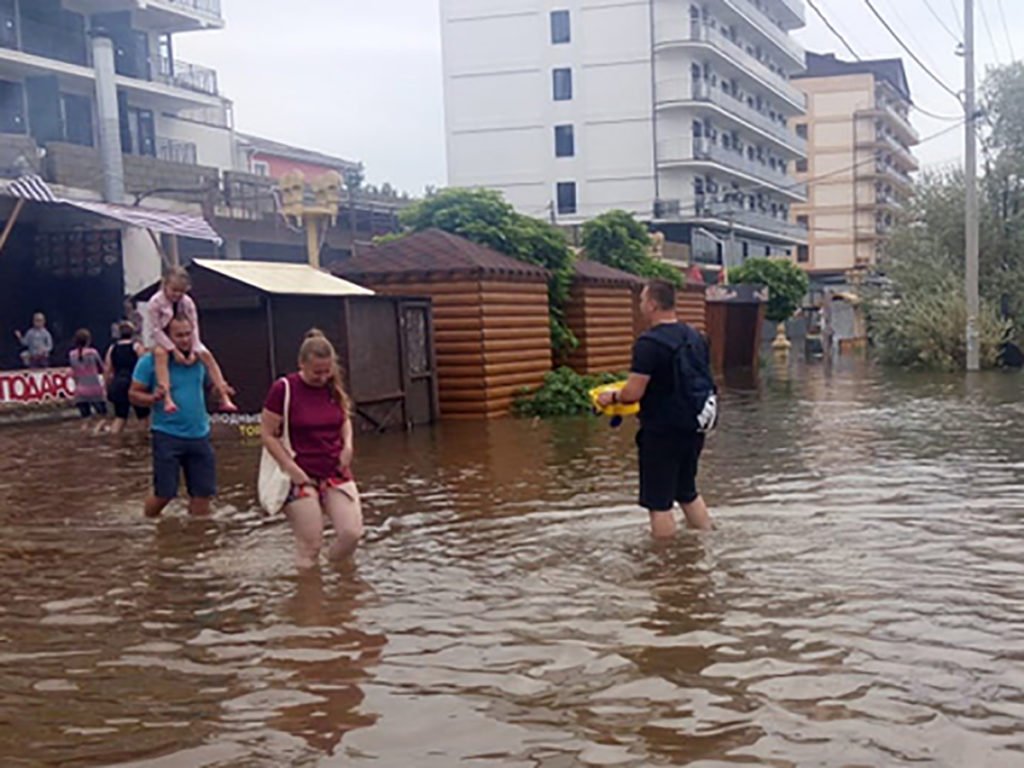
(188, 388)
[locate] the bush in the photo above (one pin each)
(616, 239)
(563, 393)
(926, 328)
(787, 285)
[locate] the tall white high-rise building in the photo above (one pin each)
(676, 111)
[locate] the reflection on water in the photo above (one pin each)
(860, 604)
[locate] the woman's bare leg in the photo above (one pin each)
(345, 509)
(307, 521)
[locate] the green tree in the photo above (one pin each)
(484, 217)
(787, 285)
(618, 240)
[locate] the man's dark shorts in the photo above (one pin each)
(668, 468)
(173, 455)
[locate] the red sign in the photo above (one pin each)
(23, 387)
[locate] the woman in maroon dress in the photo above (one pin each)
(319, 465)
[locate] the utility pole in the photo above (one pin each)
(971, 214)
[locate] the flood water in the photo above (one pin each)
(862, 603)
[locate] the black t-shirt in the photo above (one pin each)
(657, 360)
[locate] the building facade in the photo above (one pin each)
(677, 112)
(860, 160)
(171, 115)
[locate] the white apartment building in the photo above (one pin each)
(168, 109)
(676, 111)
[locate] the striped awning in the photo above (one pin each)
(33, 188)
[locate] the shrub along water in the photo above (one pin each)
(564, 393)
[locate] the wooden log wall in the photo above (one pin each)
(493, 338)
(603, 319)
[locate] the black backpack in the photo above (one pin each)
(695, 396)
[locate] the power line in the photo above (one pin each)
(988, 30)
(956, 15)
(938, 18)
(832, 29)
(910, 34)
(910, 51)
(1006, 29)
(936, 116)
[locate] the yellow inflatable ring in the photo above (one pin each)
(615, 410)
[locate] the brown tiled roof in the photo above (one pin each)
(596, 273)
(434, 253)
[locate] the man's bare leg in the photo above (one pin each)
(697, 516)
(199, 507)
(664, 525)
(155, 506)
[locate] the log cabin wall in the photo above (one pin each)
(602, 314)
(491, 317)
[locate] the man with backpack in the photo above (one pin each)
(671, 379)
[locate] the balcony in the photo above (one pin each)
(173, 151)
(675, 152)
(191, 77)
(893, 145)
(899, 179)
(792, 12)
(755, 220)
(694, 34)
(682, 90)
(756, 19)
(207, 11)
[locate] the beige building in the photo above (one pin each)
(860, 157)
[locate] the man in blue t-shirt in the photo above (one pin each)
(181, 440)
(669, 456)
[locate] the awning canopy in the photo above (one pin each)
(34, 189)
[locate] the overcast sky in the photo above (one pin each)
(362, 78)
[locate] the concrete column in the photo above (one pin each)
(109, 117)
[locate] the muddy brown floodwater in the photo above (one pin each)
(862, 603)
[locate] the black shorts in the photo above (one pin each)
(668, 468)
(173, 455)
(117, 394)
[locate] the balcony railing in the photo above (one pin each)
(706, 150)
(769, 28)
(795, 7)
(210, 8)
(191, 77)
(696, 32)
(735, 213)
(173, 151)
(684, 89)
(897, 148)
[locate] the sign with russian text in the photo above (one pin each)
(33, 387)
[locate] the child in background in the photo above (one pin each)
(38, 343)
(171, 301)
(87, 368)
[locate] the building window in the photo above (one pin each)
(801, 130)
(12, 107)
(803, 221)
(801, 166)
(565, 141)
(76, 114)
(803, 254)
(561, 27)
(566, 197)
(260, 168)
(562, 84)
